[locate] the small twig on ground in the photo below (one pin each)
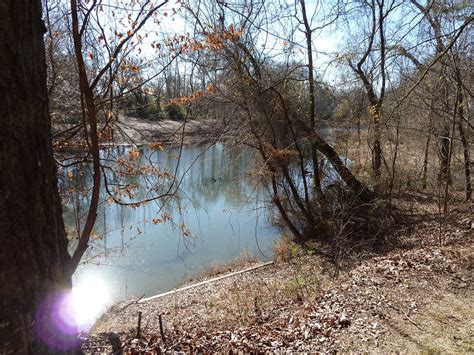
(138, 300)
(131, 303)
(406, 316)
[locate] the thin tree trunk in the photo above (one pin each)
(394, 162)
(378, 108)
(276, 200)
(427, 146)
(465, 146)
(33, 255)
(377, 147)
(276, 196)
(425, 161)
(444, 138)
(444, 146)
(295, 193)
(449, 155)
(90, 109)
(299, 150)
(376, 102)
(318, 193)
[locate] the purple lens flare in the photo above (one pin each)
(55, 321)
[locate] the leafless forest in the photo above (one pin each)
(377, 93)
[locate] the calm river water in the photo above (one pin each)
(219, 205)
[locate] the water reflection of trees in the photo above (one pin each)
(219, 173)
(200, 178)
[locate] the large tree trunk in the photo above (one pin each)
(33, 255)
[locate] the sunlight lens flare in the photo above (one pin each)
(63, 314)
(55, 322)
(90, 299)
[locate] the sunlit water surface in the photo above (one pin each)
(220, 206)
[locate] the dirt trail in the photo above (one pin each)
(426, 302)
(442, 323)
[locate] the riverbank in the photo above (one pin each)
(415, 297)
(128, 130)
(169, 132)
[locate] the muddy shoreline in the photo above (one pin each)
(137, 131)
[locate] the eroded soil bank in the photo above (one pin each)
(169, 132)
(416, 297)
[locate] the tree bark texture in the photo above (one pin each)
(376, 114)
(33, 255)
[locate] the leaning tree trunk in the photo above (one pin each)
(358, 188)
(33, 254)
